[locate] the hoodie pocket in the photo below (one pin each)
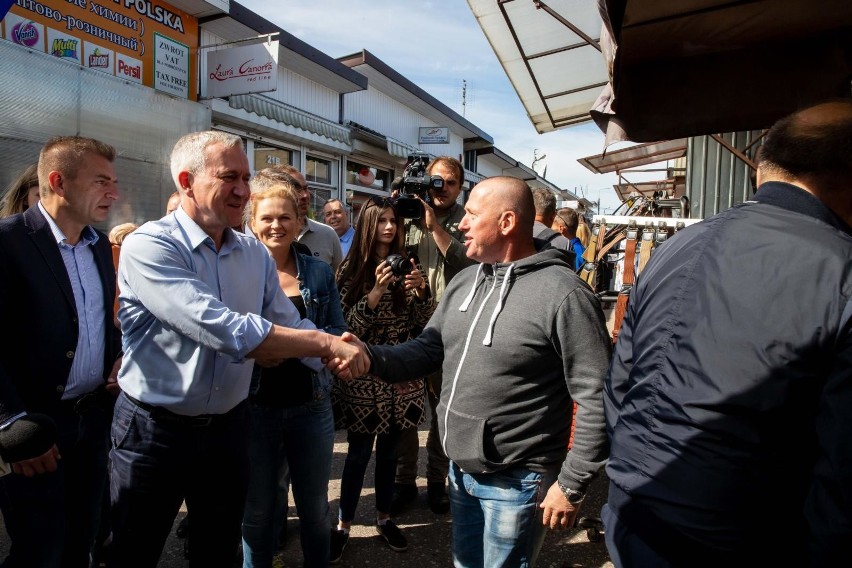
(465, 443)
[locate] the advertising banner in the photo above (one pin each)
(143, 41)
(243, 70)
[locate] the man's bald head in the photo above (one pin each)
(498, 223)
(813, 141)
(812, 149)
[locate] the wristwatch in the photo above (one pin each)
(574, 497)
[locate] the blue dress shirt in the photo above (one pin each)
(87, 368)
(190, 314)
(346, 240)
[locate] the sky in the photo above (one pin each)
(439, 45)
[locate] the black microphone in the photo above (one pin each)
(27, 437)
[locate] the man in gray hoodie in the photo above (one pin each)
(519, 337)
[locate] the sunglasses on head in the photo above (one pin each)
(383, 201)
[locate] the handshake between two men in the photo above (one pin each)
(351, 358)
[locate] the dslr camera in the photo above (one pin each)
(415, 182)
(400, 265)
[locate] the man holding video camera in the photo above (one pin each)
(437, 241)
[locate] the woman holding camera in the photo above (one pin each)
(385, 298)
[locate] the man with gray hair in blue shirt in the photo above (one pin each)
(198, 303)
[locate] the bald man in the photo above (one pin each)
(518, 337)
(729, 400)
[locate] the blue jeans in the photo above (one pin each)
(156, 463)
(301, 437)
(357, 458)
(52, 518)
(496, 518)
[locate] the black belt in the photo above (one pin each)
(86, 402)
(160, 414)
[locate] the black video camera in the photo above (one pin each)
(415, 182)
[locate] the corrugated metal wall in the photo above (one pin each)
(384, 114)
(42, 96)
(715, 178)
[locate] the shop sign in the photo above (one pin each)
(434, 135)
(171, 66)
(144, 41)
(242, 70)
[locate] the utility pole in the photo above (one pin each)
(464, 96)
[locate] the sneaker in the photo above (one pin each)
(393, 536)
(403, 495)
(338, 543)
(436, 495)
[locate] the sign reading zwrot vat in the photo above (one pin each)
(144, 41)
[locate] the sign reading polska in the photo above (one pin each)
(242, 70)
(434, 135)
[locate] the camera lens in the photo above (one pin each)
(398, 264)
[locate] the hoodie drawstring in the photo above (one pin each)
(504, 290)
(469, 299)
(463, 308)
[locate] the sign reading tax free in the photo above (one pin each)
(143, 41)
(171, 66)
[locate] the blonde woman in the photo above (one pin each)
(292, 423)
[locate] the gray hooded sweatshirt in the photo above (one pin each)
(517, 343)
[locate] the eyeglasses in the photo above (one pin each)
(383, 201)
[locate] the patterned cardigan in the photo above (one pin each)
(369, 405)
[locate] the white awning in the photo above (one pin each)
(286, 114)
(550, 53)
(400, 149)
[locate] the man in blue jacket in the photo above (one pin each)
(729, 398)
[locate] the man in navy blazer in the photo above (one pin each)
(60, 357)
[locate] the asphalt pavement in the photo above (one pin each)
(428, 534)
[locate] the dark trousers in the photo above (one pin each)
(355, 467)
(437, 464)
(52, 518)
(157, 463)
(626, 548)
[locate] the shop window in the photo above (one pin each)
(268, 157)
(321, 175)
(361, 176)
(318, 170)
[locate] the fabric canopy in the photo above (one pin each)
(695, 67)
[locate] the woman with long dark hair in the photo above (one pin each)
(384, 301)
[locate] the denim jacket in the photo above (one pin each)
(322, 306)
